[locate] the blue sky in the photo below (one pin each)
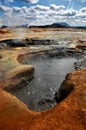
(40, 12)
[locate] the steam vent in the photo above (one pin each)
(43, 79)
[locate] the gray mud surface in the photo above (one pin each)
(39, 93)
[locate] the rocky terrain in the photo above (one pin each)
(15, 47)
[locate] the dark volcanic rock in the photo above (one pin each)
(27, 42)
(64, 91)
(81, 41)
(57, 48)
(41, 42)
(82, 45)
(13, 43)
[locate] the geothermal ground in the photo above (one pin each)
(42, 79)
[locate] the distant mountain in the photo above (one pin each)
(54, 25)
(64, 24)
(4, 26)
(80, 27)
(19, 26)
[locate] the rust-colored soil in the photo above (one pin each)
(70, 114)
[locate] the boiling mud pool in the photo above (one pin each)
(49, 73)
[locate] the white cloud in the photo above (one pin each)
(83, 10)
(40, 8)
(40, 14)
(31, 1)
(69, 12)
(55, 7)
(4, 8)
